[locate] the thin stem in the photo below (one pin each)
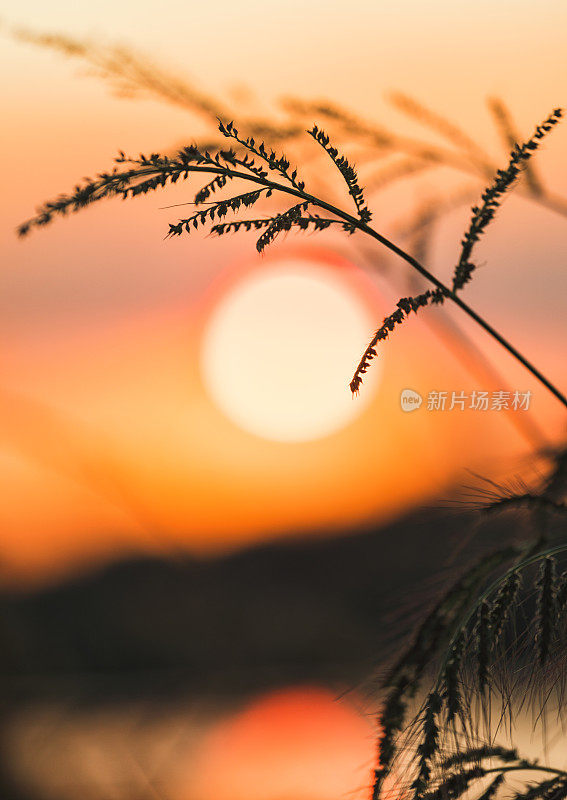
(470, 311)
(460, 344)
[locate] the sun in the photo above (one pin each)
(281, 344)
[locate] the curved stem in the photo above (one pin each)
(461, 345)
(471, 313)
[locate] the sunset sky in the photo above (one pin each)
(110, 437)
(190, 396)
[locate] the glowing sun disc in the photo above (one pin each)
(281, 346)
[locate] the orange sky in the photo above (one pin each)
(108, 441)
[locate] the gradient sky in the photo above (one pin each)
(108, 441)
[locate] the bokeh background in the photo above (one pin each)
(184, 599)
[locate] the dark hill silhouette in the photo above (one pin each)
(310, 609)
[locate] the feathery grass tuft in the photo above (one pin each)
(347, 171)
(483, 644)
(283, 222)
(217, 210)
(429, 743)
(503, 605)
(492, 197)
(404, 309)
(279, 164)
(451, 679)
(546, 608)
(478, 754)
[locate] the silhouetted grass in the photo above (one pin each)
(493, 646)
